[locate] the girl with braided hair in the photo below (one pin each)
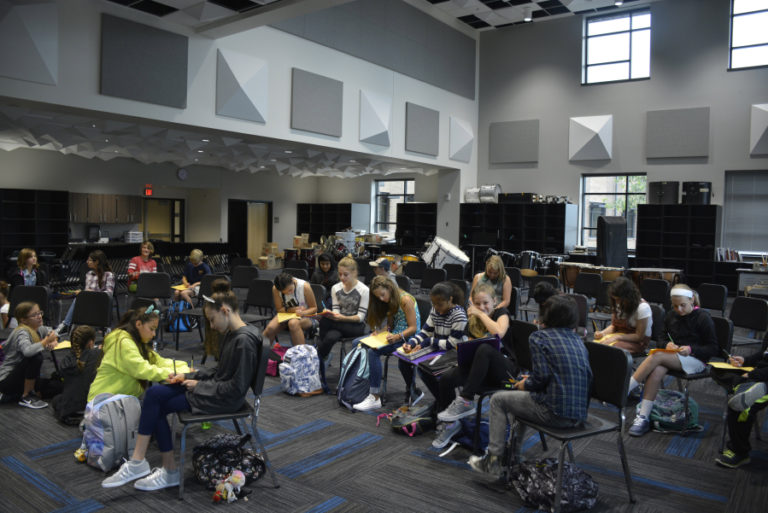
(77, 367)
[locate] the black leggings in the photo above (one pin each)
(28, 368)
(331, 332)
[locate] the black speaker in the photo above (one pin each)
(697, 193)
(612, 241)
(663, 193)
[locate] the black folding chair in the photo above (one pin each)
(655, 291)
(415, 270)
(259, 297)
(454, 271)
(404, 282)
(297, 264)
(588, 284)
(713, 296)
(242, 276)
(196, 312)
(23, 293)
(514, 276)
(431, 277)
(302, 274)
(187, 418)
(751, 314)
(151, 286)
(92, 309)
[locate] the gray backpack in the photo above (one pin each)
(110, 427)
(354, 383)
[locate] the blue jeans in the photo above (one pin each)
(70, 312)
(374, 363)
(159, 401)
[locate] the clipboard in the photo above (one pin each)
(728, 367)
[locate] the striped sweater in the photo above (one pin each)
(443, 331)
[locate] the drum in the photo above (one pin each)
(609, 273)
(490, 193)
(410, 258)
(472, 195)
(530, 260)
(570, 270)
(550, 264)
(290, 254)
(442, 252)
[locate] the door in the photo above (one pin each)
(249, 226)
(258, 220)
(159, 221)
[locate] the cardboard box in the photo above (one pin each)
(270, 248)
(305, 239)
(263, 262)
(297, 241)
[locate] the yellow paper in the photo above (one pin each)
(286, 316)
(728, 366)
(64, 344)
(376, 341)
(606, 338)
(180, 287)
(663, 351)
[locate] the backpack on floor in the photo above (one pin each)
(275, 359)
(354, 380)
(110, 426)
(178, 322)
(411, 420)
(300, 371)
(216, 458)
(535, 482)
(668, 413)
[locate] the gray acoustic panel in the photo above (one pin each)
(316, 103)
(143, 63)
(29, 42)
(397, 36)
(758, 130)
(422, 129)
(241, 86)
(677, 133)
(514, 141)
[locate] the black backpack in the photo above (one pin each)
(354, 381)
(217, 457)
(535, 482)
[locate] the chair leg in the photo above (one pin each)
(543, 441)
(559, 482)
(182, 450)
(385, 376)
(263, 451)
(570, 453)
(476, 435)
(625, 466)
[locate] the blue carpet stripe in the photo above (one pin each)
(686, 446)
(328, 505)
(56, 448)
(271, 390)
(659, 484)
(436, 457)
(291, 434)
(530, 442)
(765, 424)
(37, 480)
(81, 507)
(329, 455)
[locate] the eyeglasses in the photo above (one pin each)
(36, 314)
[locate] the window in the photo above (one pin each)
(745, 210)
(617, 47)
(610, 195)
(749, 36)
(388, 194)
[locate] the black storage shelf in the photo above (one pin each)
(681, 236)
(416, 223)
(318, 219)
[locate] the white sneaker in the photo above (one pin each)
(128, 471)
(159, 478)
(369, 403)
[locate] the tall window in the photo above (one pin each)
(749, 33)
(746, 209)
(610, 195)
(388, 194)
(617, 47)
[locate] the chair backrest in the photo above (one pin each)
(320, 294)
(365, 271)
(297, 264)
(588, 284)
(750, 313)
(581, 302)
(521, 331)
(514, 276)
(260, 294)
(425, 306)
(154, 285)
(464, 285)
(655, 291)
(657, 328)
(206, 283)
(243, 275)
(454, 271)
(432, 277)
(549, 278)
(611, 370)
(236, 262)
(302, 274)
(92, 309)
(604, 299)
(415, 270)
(404, 282)
(724, 333)
(257, 383)
(22, 293)
(713, 296)
(514, 303)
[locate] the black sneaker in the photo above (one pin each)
(731, 460)
(487, 463)
(31, 401)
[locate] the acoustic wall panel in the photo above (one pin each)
(143, 63)
(316, 103)
(758, 130)
(590, 138)
(375, 117)
(422, 129)
(29, 42)
(677, 133)
(461, 139)
(241, 86)
(514, 141)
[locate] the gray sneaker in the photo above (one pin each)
(458, 409)
(746, 395)
(159, 478)
(31, 401)
(128, 471)
(487, 463)
(640, 426)
(445, 432)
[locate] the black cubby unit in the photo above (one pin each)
(319, 219)
(416, 224)
(546, 228)
(683, 237)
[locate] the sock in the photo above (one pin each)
(645, 407)
(135, 462)
(633, 384)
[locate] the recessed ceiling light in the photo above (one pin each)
(195, 159)
(273, 160)
(106, 140)
(353, 161)
(618, 3)
(200, 151)
(288, 151)
(527, 15)
(205, 140)
(93, 125)
(262, 167)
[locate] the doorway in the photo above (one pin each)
(249, 226)
(164, 219)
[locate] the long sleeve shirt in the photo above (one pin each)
(354, 302)
(443, 331)
(92, 282)
(19, 346)
(696, 330)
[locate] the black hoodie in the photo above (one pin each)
(328, 279)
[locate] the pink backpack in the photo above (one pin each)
(272, 365)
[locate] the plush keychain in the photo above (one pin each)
(227, 489)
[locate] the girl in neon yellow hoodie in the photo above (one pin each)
(129, 364)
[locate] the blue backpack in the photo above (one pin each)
(354, 381)
(180, 323)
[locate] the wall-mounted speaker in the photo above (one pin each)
(663, 193)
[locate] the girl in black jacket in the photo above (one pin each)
(77, 367)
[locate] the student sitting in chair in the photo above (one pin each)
(631, 318)
(382, 267)
(99, 278)
(194, 271)
(325, 273)
(496, 277)
(292, 295)
(555, 394)
(27, 271)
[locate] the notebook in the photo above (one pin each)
(465, 351)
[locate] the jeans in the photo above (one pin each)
(506, 407)
(159, 401)
(375, 369)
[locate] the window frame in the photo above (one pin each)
(730, 40)
(406, 197)
(585, 45)
(583, 215)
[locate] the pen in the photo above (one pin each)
(594, 326)
(436, 358)
(174, 367)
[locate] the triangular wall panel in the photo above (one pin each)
(241, 86)
(591, 138)
(461, 140)
(758, 130)
(29, 42)
(375, 118)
